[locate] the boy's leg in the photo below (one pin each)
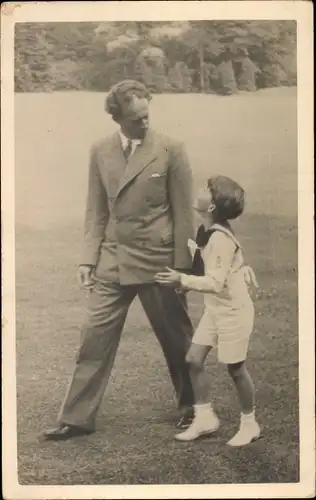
(244, 386)
(235, 328)
(205, 421)
(196, 359)
(249, 429)
(203, 341)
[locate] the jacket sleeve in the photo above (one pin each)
(96, 214)
(180, 185)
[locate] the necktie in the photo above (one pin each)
(128, 149)
(202, 238)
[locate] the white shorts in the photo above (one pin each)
(229, 331)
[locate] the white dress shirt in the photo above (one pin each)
(135, 142)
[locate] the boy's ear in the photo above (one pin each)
(211, 208)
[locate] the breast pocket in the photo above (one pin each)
(156, 189)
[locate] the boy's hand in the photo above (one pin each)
(249, 276)
(170, 277)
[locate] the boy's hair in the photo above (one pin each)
(228, 197)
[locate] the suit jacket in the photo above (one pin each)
(138, 216)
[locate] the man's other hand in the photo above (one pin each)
(85, 277)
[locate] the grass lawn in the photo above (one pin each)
(252, 137)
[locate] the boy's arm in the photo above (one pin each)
(217, 266)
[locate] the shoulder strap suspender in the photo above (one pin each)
(202, 239)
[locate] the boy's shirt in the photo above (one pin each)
(223, 282)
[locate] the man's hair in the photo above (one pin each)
(228, 197)
(121, 95)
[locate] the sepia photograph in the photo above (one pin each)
(157, 262)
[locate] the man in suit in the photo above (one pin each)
(138, 221)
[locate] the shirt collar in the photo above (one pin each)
(124, 140)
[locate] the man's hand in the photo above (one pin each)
(85, 277)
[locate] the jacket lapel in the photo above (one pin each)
(112, 164)
(116, 155)
(143, 155)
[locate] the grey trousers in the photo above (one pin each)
(101, 332)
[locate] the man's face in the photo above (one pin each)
(135, 120)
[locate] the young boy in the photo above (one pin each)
(229, 312)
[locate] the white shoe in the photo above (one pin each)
(248, 432)
(199, 428)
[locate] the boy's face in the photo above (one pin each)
(203, 200)
(203, 207)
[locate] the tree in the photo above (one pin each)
(180, 78)
(93, 56)
(245, 71)
(228, 85)
(197, 39)
(153, 58)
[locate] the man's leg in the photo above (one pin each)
(168, 315)
(107, 309)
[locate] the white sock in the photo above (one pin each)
(203, 410)
(247, 417)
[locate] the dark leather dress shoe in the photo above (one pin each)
(64, 432)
